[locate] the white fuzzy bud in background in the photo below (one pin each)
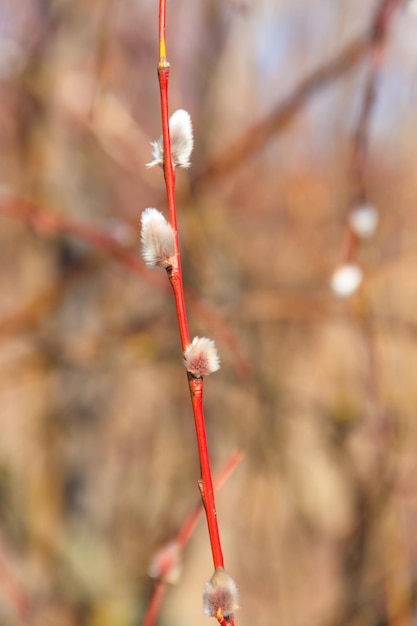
(122, 232)
(363, 220)
(346, 279)
(220, 595)
(201, 358)
(166, 564)
(182, 142)
(158, 247)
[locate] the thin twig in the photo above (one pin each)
(378, 41)
(256, 136)
(378, 37)
(175, 276)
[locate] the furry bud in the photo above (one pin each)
(165, 564)
(201, 357)
(220, 595)
(158, 247)
(346, 279)
(363, 220)
(182, 142)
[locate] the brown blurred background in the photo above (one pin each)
(98, 459)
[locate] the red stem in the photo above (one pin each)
(154, 606)
(190, 523)
(175, 271)
(169, 172)
(175, 276)
(206, 483)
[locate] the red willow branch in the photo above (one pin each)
(175, 276)
(174, 271)
(161, 249)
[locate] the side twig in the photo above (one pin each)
(47, 222)
(362, 217)
(180, 542)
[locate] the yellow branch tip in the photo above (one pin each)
(162, 54)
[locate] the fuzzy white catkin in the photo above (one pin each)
(182, 141)
(363, 220)
(166, 564)
(158, 242)
(346, 279)
(201, 357)
(220, 595)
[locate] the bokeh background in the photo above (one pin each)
(301, 108)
